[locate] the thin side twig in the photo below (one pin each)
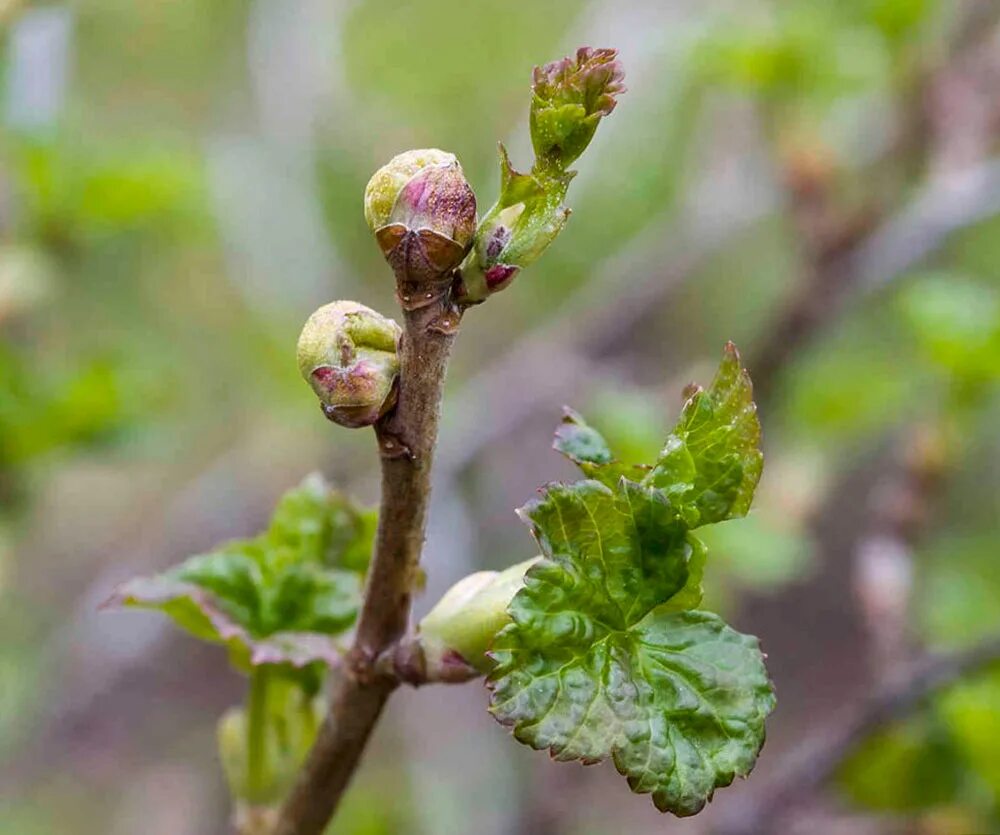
(406, 443)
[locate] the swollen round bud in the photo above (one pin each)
(423, 214)
(348, 355)
(388, 181)
(462, 625)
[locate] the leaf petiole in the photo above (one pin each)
(258, 753)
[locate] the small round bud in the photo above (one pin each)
(423, 214)
(348, 355)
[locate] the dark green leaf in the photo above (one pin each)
(604, 655)
(678, 701)
(620, 554)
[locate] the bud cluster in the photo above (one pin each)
(422, 212)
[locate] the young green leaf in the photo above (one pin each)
(323, 525)
(276, 598)
(586, 447)
(605, 656)
(712, 461)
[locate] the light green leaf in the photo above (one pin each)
(275, 599)
(323, 526)
(569, 99)
(712, 460)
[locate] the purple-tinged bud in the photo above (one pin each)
(348, 355)
(570, 97)
(423, 214)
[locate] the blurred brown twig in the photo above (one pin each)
(814, 761)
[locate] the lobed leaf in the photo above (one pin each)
(678, 702)
(605, 655)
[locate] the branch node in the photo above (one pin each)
(447, 321)
(390, 445)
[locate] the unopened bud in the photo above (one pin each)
(348, 355)
(468, 616)
(231, 736)
(423, 214)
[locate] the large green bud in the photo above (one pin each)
(423, 214)
(348, 355)
(462, 625)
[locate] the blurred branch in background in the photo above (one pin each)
(900, 506)
(852, 264)
(807, 767)
(932, 135)
(501, 396)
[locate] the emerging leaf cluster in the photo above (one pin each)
(569, 99)
(606, 655)
(276, 598)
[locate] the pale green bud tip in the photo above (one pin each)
(231, 739)
(463, 623)
(348, 355)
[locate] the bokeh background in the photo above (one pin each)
(180, 185)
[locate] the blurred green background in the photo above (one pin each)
(181, 184)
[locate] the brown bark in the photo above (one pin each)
(406, 442)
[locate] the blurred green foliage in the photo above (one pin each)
(273, 599)
(131, 340)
